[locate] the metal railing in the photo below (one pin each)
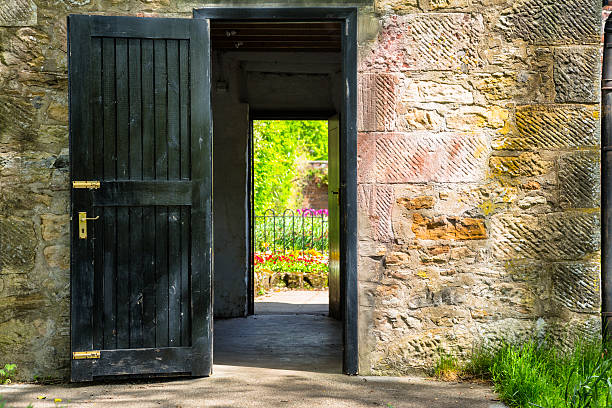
(298, 230)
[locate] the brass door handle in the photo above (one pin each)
(83, 224)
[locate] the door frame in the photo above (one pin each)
(347, 16)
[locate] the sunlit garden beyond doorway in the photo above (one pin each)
(290, 202)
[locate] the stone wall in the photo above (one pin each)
(478, 177)
(478, 174)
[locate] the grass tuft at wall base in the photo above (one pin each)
(532, 375)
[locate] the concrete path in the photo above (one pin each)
(288, 342)
(237, 387)
(293, 302)
(285, 360)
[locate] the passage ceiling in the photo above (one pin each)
(276, 36)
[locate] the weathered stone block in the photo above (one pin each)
(553, 237)
(419, 119)
(443, 157)
(54, 226)
(579, 180)
(377, 102)
(377, 201)
(526, 74)
(447, 4)
(576, 74)
(17, 13)
(366, 157)
(576, 286)
(462, 253)
(17, 122)
(52, 138)
(397, 6)
(496, 86)
(432, 91)
(532, 201)
(416, 203)
(552, 127)
(58, 256)
(475, 117)
(523, 165)
(426, 41)
(396, 258)
(553, 22)
(448, 228)
(58, 112)
(17, 244)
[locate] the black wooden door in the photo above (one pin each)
(333, 193)
(140, 125)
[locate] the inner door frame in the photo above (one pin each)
(347, 16)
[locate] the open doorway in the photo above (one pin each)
(289, 66)
(292, 201)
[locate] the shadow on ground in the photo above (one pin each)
(267, 361)
(256, 387)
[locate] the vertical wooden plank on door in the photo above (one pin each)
(201, 210)
(185, 322)
(136, 278)
(81, 276)
(123, 221)
(174, 173)
(148, 213)
(174, 263)
(123, 108)
(149, 310)
(161, 272)
(110, 115)
(173, 113)
(161, 105)
(185, 153)
(135, 171)
(98, 165)
(110, 173)
(184, 109)
(161, 173)
(110, 299)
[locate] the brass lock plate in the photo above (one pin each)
(82, 355)
(86, 184)
(83, 224)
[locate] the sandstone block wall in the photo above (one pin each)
(478, 177)
(478, 174)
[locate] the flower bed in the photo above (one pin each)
(293, 269)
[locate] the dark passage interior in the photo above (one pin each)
(267, 70)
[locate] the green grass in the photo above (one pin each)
(530, 375)
(448, 367)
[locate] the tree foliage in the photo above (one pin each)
(279, 145)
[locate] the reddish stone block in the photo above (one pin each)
(366, 158)
(425, 41)
(377, 102)
(407, 158)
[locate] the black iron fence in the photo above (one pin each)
(291, 230)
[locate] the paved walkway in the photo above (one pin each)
(238, 387)
(293, 302)
(283, 359)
